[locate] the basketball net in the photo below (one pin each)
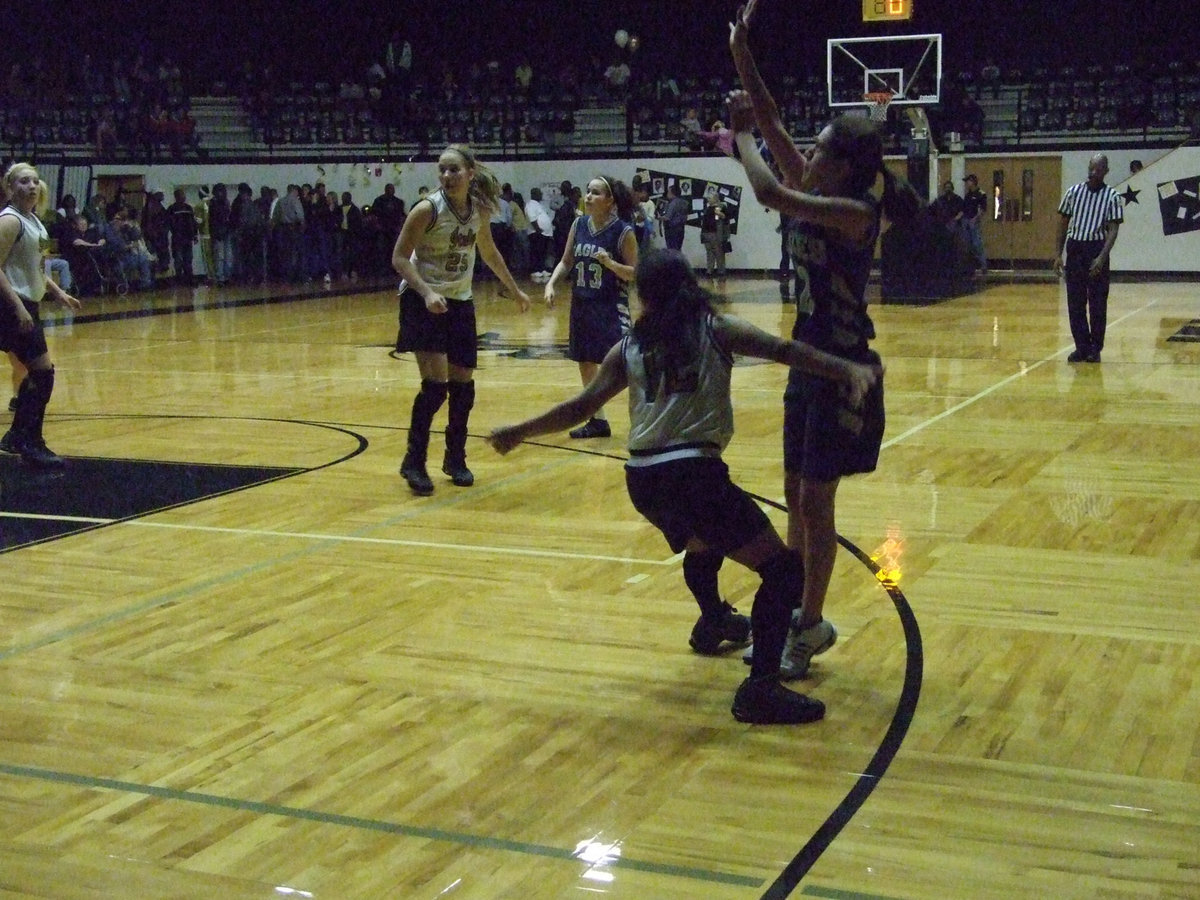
(877, 104)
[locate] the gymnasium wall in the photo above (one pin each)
(1142, 245)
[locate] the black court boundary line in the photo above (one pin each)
(362, 444)
(59, 321)
(906, 708)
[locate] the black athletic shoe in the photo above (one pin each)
(709, 634)
(1077, 356)
(38, 455)
(8, 443)
(417, 478)
(458, 472)
(767, 702)
(592, 428)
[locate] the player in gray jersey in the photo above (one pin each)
(676, 362)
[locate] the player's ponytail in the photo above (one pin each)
(622, 197)
(485, 186)
(858, 141)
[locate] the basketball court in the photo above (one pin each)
(241, 658)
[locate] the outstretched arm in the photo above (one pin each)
(610, 380)
(853, 218)
(791, 161)
(739, 336)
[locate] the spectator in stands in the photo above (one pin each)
(522, 258)
(674, 218)
(523, 76)
(352, 235)
(181, 222)
(156, 230)
(540, 231)
(320, 246)
(973, 204)
(333, 225)
(388, 209)
(718, 138)
(202, 229)
(714, 235)
(989, 77)
(690, 129)
(77, 242)
(501, 224)
(221, 231)
(105, 132)
(646, 216)
(947, 209)
(616, 77)
(249, 234)
(564, 217)
(290, 232)
(124, 248)
(398, 62)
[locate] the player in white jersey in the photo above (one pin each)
(435, 256)
(23, 285)
(676, 362)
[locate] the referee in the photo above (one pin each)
(1091, 215)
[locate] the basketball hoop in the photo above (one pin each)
(877, 104)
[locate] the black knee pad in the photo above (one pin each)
(701, 568)
(433, 394)
(462, 394)
(782, 579)
(40, 382)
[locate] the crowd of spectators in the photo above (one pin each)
(115, 104)
(392, 94)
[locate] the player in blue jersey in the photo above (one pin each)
(601, 255)
(827, 192)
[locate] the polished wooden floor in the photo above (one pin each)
(321, 686)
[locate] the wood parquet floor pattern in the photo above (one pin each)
(325, 687)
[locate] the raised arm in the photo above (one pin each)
(791, 161)
(853, 218)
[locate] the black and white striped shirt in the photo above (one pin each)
(1089, 211)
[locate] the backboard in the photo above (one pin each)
(910, 66)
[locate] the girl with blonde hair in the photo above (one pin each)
(23, 285)
(435, 257)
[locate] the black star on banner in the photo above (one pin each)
(1130, 196)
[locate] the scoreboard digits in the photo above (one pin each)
(887, 10)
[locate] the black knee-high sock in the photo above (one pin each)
(462, 400)
(782, 580)
(700, 574)
(32, 398)
(425, 405)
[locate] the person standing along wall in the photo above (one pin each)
(973, 205)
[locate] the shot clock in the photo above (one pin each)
(887, 10)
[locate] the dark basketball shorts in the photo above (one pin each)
(824, 437)
(596, 326)
(695, 497)
(452, 332)
(26, 346)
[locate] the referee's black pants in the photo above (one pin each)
(1087, 297)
